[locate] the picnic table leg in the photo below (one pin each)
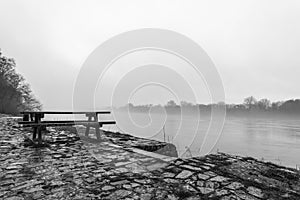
(31, 117)
(26, 117)
(97, 127)
(34, 133)
(87, 129)
(39, 130)
(98, 133)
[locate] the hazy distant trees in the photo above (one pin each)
(290, 106)
(276, 105)
(264, 104)
(250, 102)
(15, 93)
(250, 106)
(171, 103)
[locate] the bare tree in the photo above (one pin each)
(250, 102)
(264, 104)
(276, 105)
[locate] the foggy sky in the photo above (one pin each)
(255, 45)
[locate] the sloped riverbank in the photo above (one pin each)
(118, 168)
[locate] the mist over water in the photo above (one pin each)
(270, 139)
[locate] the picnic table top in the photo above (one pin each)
(65, 112)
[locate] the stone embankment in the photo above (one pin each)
(70, 168)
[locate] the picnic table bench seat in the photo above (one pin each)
(63, 123)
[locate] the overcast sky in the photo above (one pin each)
(255, 45)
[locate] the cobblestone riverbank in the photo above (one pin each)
(70, 168)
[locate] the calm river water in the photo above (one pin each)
(275, 140)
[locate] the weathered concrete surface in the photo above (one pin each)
(67, 169)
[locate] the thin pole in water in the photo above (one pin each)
(164, 133)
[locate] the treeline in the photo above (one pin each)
(15, 93)
(250, 106)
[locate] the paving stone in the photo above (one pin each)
(211, 184)
(119, 194)
(134, 185)
(127, 187)
(200, 183)
(222, 192)
(170, 180)
(38, 195)
(255, 192)
(168, 175)
(184, 174)
(107, 187)
(205, 190)
(210, 164)
(219, 179)
(191, 167)
(32, 190)
(119, 182)
(203, 176)
(241, 194)
(210, 173)
(235, 185)
(194, 198)
(146, 196)
(14, 198)
(172, 197)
